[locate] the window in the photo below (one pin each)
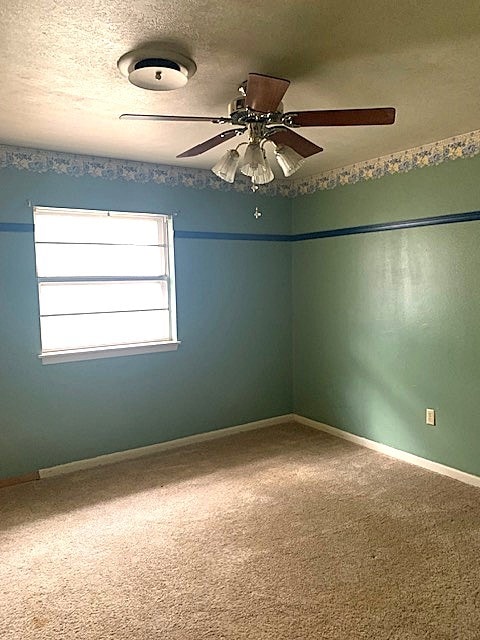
(106, 283)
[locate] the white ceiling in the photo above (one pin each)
(61, 88)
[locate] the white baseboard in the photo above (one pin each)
(130, 454)
(451, 472)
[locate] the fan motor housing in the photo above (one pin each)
(237, 105)
(240, 113)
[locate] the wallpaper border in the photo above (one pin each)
(41, 161)
(465, 145)
(77, 165)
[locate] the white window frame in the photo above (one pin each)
(113, 351)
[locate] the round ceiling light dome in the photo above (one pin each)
(156, 70)
(158, 74)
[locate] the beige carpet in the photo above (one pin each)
(281, 534)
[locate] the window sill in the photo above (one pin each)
(107, 352)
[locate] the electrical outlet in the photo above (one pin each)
(430, 417)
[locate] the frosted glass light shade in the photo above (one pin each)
(262, 174)
(288, 159)
(226, 167)
(252, 158)
(255, 165)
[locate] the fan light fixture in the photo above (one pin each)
(288, 159)
(227, 165)
(255, 164)
(257, 111)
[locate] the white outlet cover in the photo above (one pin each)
(430, 417)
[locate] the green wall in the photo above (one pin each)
(383, 325)
(234, 321)
(387, 324)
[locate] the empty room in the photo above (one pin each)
(239, 320)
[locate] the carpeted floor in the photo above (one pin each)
(283, 533)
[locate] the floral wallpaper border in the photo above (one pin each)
(40, 161)
(465, 145)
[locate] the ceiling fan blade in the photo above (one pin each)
(340, 117)
(140, 116)
(264, 93)
(301, 145)
(211, 143)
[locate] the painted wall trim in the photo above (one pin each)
(215, 235)
(130, 454)
(450, 218)
(16, 227)
(465, 145)
(404, 456)
(26, 477)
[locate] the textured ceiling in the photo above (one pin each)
(61, 88)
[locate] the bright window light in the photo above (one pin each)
(98, 226)
(93, 259)
(103, 329)
(57, 298)
(105, 283)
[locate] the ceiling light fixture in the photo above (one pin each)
(226, 167)
(254, 163)
(258, 110)
(156, 69)
(288, 159)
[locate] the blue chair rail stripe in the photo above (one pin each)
(16, 227)
(451, 218)
(214, 235)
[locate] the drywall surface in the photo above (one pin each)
(386, 323)
(234, 321)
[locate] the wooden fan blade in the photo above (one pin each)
(140, 116)
(211, 143)
(264, 93)
(298, 143)
(340, 118)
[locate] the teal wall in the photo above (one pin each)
(382, 325)
(387, 324)
(234, 321)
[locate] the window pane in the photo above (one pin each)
(84, 227)
(99, 260)
(85, 297)
(103, 329)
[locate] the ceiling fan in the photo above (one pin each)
(258, 111)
